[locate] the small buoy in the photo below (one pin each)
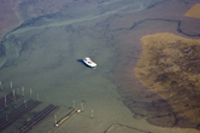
(78, 111)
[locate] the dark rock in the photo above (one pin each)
(187, 49)
(162, 77)
(170, 65)
(176, 44)
(185, 64)
(191, 53)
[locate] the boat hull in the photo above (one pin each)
(89, 62)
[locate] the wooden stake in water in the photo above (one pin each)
(31, 93)
(74, 104)
(11, 85)
(5, 101)
(23, 91)
(82, 107)
(92, 113)
(55, 118)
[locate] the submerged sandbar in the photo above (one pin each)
(169, 66)
(194, 11)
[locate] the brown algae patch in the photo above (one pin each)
(194, 11)
(169, 66)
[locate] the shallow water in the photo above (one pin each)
(44, 54)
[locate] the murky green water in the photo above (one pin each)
(44, 53)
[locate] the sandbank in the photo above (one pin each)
(194, 11)
(169, 66)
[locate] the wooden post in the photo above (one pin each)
(55, 119)
(11, 85)
(92, 115)
(31, 93)
(74, 104)
(22, 91)
(14, 95)
(82, 107)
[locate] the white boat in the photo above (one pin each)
(89, 62)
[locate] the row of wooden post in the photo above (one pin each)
(37, 95)
(14, 94)
(82, 109)
(78, 111)
(22, 90)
